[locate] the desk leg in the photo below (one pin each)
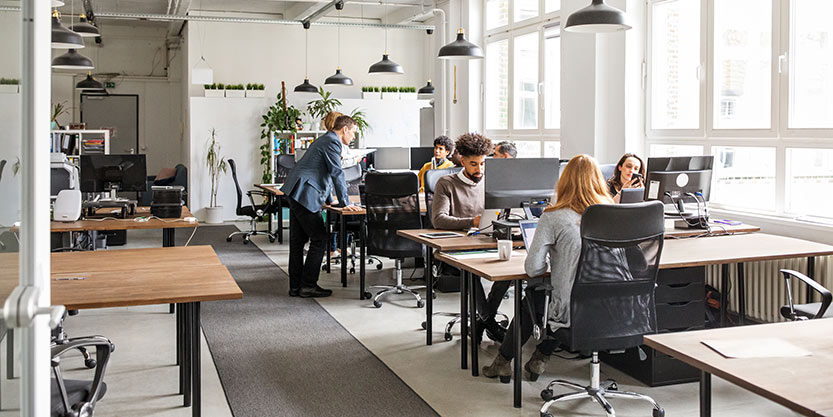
(187, 355)
(342, 237)
(169, 240)
(811, 272)
(724, 289)
(10, 354)
(329, 226)
(196, 381)
(516, 389)
(362, 260)
(464, 320)
(475, 367)
(705, 394)
(741, 295)
(279, 227)
(429, 294)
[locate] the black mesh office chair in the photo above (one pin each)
(392, 203)
(353, 178)
(810, 310)
(253, 211)
(612, 302)
(430, 182)
(285, 164)
(71, 397)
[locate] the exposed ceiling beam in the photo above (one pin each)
(178, 8)
(320, 12)
(302, 10)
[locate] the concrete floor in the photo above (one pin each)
(142, 379)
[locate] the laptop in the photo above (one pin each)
(632, 195)
(487, 216)
(528, 231)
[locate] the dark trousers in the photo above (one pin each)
(487, 306)
(305, 226)
(547, 346)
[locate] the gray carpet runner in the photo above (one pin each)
(286, 356)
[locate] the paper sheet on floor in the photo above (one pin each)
(769, 347)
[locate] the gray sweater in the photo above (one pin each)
(556, 246)
(456, 203)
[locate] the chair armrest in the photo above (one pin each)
(252, 193)
(103, 348)
(826, 296)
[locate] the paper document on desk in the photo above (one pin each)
(479, 254)
(769, 347)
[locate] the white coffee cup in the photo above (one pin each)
(504, 250)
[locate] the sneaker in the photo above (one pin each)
(314, 292)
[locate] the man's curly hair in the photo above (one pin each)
(445, 141)
(474, 144)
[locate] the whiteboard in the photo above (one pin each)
(393, 123)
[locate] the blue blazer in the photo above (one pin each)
(317, 174)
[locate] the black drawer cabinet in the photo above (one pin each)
(680, 306)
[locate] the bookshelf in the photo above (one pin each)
(81, 142)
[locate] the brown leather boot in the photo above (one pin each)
(536, 365)
(499, 368)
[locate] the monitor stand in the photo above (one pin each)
(128, 207)
(502, 227)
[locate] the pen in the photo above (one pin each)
(70, 279)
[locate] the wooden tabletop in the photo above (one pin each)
(271, 188)
(354, 199)
(799, 383)
(452, 243)
(680, 253)
(123, 224)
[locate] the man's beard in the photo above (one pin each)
(474, 179)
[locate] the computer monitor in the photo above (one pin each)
(390, 158)
(669, 179)
(421, 155)
(100, 173)
(512, 182)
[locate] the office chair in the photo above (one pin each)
(430, 182)
(392, 203)
(612, 301)
(285, 164)
(353, 178)
(808, 311)
(59, 337)
(254, 211)
(70, 397)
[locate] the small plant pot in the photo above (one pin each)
(390, 96)
(372, 95)
(214, 215)
(255, 93)
(215, 93)
(235, 93)
(407, 96)
(9, 88)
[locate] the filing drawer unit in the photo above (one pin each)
(680, 307)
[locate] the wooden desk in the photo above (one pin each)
(799, 384)
(124, 224)
(676, 253)
(717, 229)
(275, 193)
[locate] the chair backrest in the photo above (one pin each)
(612, 302)
(431, 178)
(233, 166)
(392, 202)
(353, 177)
(607, 170)
(285, 164)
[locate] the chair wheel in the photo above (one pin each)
(420, 303)
(228, 239)
(89, 363)
(546, 395)
(546, 415)
(379, 266)
(368, 295)
(447, 337)
(434, 295)
(377, 304)
(424, 326)
(352, 270)
(658, 412)
(246, 241)
(271, 239)
(324, 268)
(613, 387)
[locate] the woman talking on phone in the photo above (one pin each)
(629, 173)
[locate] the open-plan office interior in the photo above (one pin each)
(652, 237)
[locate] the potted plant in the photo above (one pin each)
(279, 118)
(362, 126)
(216, 165)
(211, 90)
(235, 91)
(371, 93)
(9, 86)
(390, 93)
(407, 93)
(58, 110)
(317, 109)
(255, 91)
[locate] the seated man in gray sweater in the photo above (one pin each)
(458, 202)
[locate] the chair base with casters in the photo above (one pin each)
(399, 288)
(352, 256)
(455, 318)
(59, 337)
(247, 234)
(596, 391)
(73, 397)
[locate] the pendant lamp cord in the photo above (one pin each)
(306, 53)
(339, 39)
(386, 28)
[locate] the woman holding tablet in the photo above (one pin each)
(556, 244)
(629, 173)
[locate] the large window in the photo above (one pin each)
(765, 71)
(522, 73)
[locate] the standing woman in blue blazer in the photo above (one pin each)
(311, 184)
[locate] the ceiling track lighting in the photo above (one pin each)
(306, 87)
(386, 66)
(63, 38)
(338, 78)
(598, 17)
(84, 28)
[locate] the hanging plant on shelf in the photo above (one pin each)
(278, 118)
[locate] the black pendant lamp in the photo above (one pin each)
(460, 48)
(72, 60)
(306, 87)
(63, 38)
(338, 78)
(428, 89)
(89, 84)
(598, 17)
(386, 66)
(85, 29)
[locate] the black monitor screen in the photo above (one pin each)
(677, 176)
(100, 173)
(421, 155)
(510, 181)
